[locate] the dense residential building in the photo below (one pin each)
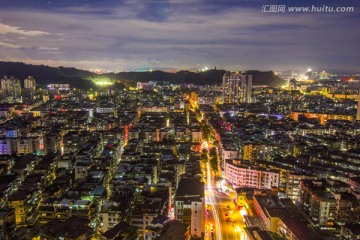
(73, 228)
(237, 88)
(239, 174)
(121, 230)
(228, 152)
(350, 231)
(292, 228)
(190, 205)
(245, 88)
(164, 228)
(11, 88)
(317, 203)
(292, 181)
(165, 161)
(30, 83)
(231, 84)
(29, 91)
(282, 217)
(7, 223)
(110, 215)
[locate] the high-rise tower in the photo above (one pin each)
(28, 93)
(245, 88)
(30, 83)
(11, 87)
(236, 88)
(230, 91)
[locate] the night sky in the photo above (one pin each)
(179, 34)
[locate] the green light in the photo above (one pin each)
(101, 81)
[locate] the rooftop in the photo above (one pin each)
(74, 227)
(190, 187)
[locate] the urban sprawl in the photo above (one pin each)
(164, 161)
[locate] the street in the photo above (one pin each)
(224, 216)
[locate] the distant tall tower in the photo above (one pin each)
(30, 83)
(28, 93)
(358, 107)
(230, 91)
(245, 88)
(236, 88)
(11, 87)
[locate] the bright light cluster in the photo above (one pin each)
(103, 83)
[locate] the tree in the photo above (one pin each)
(204, 155)
(198, 113)
(213, 152)
(214, 164)
(205, 131)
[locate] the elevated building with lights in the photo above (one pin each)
(236, 88)
(11, 88)
(190, 205)
(28, 92)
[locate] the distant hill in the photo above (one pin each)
(82, 79)
(199, 78)
(45, 75)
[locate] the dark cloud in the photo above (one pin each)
(131, 34)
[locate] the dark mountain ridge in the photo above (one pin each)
(83, 79)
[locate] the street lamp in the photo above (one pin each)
(237, 230)
(243, 212)
(241, 233)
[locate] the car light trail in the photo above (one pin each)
(212, 202)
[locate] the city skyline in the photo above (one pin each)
(112, 35)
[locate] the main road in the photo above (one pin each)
(216, 227)
(224, 219)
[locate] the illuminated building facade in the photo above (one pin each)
(245, 88)
(28, 93)
(236, 88)
(243, 175)
(190, 205)
(11, 88)
(30, 83)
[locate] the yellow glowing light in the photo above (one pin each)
(103, 83)
(243, 212)
(205, 145)
(237, 229)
